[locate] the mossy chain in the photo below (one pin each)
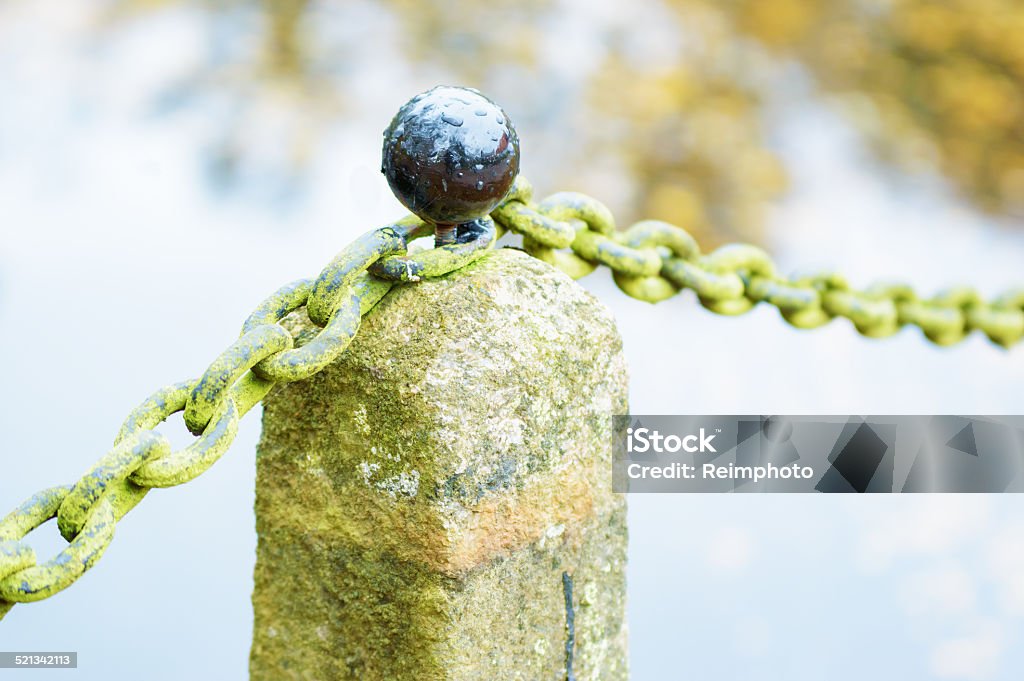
(452, 157)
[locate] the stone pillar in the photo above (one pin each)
(438, 504)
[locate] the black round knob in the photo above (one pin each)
(450, 155)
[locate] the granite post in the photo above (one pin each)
(437, 505)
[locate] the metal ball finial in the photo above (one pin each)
(450, 156)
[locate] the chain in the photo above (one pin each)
(650, 261)
(264, 355)
(653, 260)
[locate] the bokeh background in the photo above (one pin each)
(164, 164)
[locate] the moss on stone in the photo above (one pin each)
(419, 499)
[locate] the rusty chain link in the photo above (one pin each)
(650, 261)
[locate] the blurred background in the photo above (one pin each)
(165, 164)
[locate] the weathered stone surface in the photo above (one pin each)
(419, 501)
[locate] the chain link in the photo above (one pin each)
(651, 261)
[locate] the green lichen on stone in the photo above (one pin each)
(419, 499)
